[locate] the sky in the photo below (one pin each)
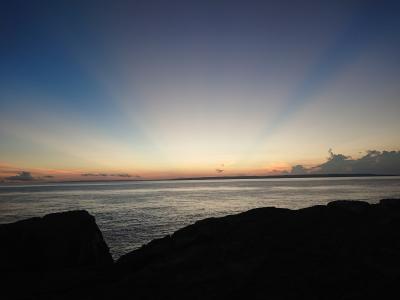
(163, 89)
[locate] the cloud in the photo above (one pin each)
(298, 170)
(44, 177)
(385, 162)
(220, 169)
(336, 163)
(94, 175)
(22, 176)
(373, 162)
(123, 175)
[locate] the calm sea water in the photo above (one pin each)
(133, 213)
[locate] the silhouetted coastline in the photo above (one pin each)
(343, 250)
(283, 176)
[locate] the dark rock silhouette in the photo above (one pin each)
(52, 253)
(344, 250)
(60, 240)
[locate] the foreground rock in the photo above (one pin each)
(56, 241)
(51, 254)
(345, 250)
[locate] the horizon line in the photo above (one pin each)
(239, 177)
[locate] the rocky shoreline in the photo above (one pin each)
(344, 250)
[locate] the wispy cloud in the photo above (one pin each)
(22, 176)
(94, 175)
(124, 175)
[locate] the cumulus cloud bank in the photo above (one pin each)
(373, 162)
(299, 170)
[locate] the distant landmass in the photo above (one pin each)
(288, 176)
(281, 176)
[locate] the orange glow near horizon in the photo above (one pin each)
(187, 171)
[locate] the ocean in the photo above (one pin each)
(131, 214)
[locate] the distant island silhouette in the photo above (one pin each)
(280, 176)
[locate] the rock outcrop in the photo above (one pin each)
(51, 255)
(56, 241)
(344, 250)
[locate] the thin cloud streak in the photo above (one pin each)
(123, 175)
(22, 176)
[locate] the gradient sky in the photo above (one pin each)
(165, 88)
